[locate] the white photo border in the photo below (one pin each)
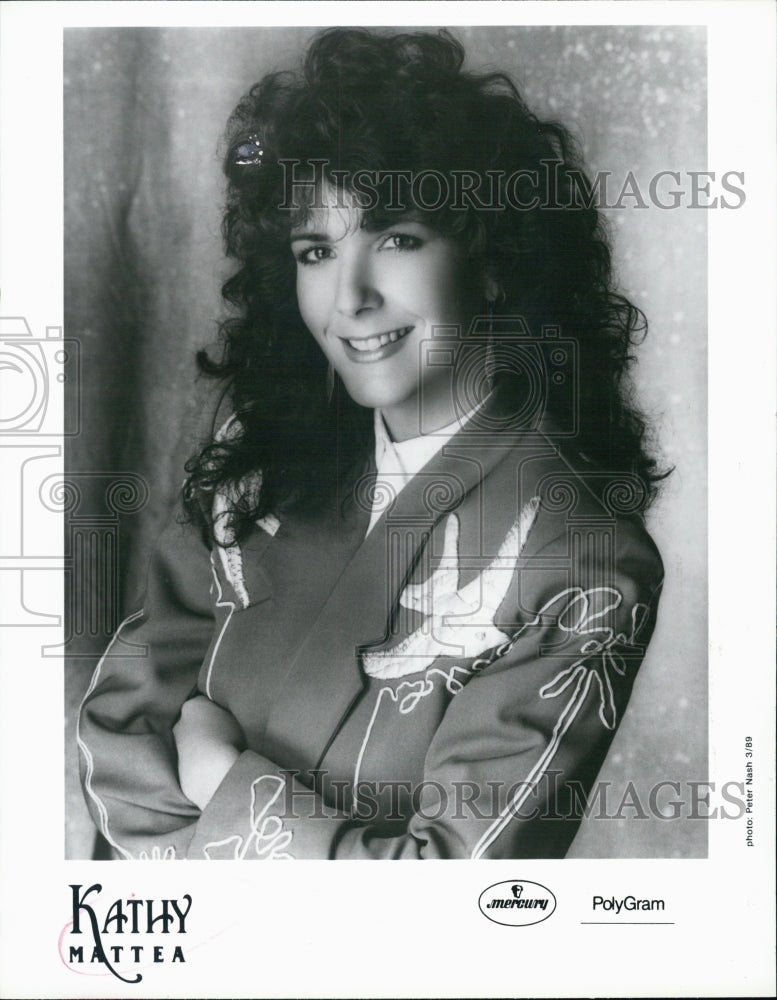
(316, 929)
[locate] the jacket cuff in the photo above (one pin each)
(245, 818)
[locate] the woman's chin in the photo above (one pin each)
(376, 397)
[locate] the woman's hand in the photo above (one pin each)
(209, 741)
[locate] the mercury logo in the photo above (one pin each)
(517, 903)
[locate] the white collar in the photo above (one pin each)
(398, 461)
(414, 453)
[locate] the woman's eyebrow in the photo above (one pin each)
(381, 223)
(315, 237)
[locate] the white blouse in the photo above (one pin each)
(398, 461)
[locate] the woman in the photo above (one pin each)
(404, 613)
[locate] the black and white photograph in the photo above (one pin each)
(410, 566)
(373, 498)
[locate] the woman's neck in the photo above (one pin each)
(401, 428)
(436, 404)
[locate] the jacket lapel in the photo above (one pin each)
(325, 677)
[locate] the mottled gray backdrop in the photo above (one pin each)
(144, 113)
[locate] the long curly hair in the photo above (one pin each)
(386, 102)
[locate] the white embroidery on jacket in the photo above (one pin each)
(424, 686)
(269, 523)
(157, 854)
(457, 622)
(611, 659)
(414, 691)
(267, 835)
(220, 603)
(585, 676)
(102, 812)
(229, 551)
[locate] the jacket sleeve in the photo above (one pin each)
(127, 754)
(520, 745)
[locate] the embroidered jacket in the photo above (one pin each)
(445, 687)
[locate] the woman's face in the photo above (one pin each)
(372, 299)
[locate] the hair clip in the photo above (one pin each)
(249, 153)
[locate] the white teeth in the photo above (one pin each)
(375, 343)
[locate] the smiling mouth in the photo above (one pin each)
(366, 344)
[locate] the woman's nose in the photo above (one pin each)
(356, 286)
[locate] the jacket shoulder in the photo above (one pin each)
(582, 507)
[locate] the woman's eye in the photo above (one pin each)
(313, 255)
(401, 241)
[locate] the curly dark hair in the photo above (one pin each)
(402, 102)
